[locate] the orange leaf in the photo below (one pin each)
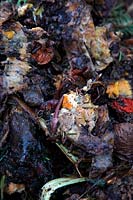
(66, 102)
(9, 34)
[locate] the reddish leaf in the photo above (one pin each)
(124, 104)
(43, 56)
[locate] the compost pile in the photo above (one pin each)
(66, 107)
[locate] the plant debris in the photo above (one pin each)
(66, 106)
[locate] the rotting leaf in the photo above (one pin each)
(43, 55)
(124, 140)
(50, 187)
(24, 151)
(42, 49)
(14, 75)
(77, 122)
(92, 41)
(9, 34)
(120, 88)
(100, 49)
(84, 128)
(16, 65)
(123, 105)
(6, 12)
(13, 40)
(23, 9)
(13, 187)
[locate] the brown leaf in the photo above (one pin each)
(5, 12)
(14, 75)
(13, 187)
(124, 140)
(43, 55)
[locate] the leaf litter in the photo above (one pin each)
(66, 99)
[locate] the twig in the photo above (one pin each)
(33, 115)
(55, 117)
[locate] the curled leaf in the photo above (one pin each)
(53, 185)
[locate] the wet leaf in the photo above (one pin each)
(120, 88)
(14, 73)
(23, 9)
(100, 49)
(50, 187)
(124, 140)
(9, 34)
(91, 125)
(93, 41)
(12, 188)
(123, 105)
(79, 121)
(6, 12)
(43, 55)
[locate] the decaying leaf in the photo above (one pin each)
(42, 49)
(9, 34)
(14, 76)
(43, 55)
(124, 140)
(100, 49)
(123, 105)
(80, 111)
(92, 41)
(13, 187)
(5, 12)
(25, 155)
(53, 185)
(78, 118)
(14, 46)
(69, 101)
(23, 9)
(13, 40)
(120, 88)
(91, 125)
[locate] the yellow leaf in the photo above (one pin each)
(9, 34)
(119, 88)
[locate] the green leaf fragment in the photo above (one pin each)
(21, 1)
(2, 185)
(70, 156)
